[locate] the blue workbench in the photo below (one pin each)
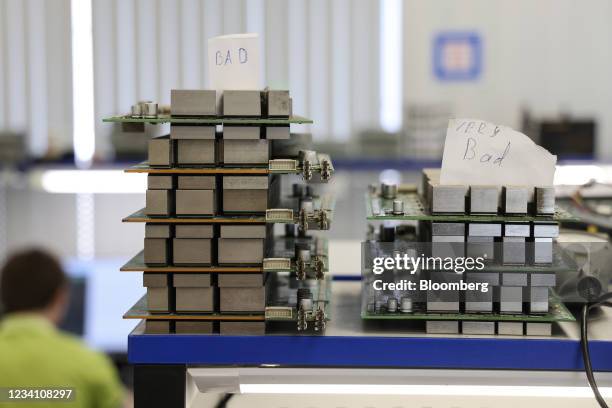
(349, 342)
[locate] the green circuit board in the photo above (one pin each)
(141, 216)
(557, 313)
(140, 311)
(205, 120)
(290, 166)
(280, 304)
(282, 247)
(286, 211)
(378, 208)
(145, 168)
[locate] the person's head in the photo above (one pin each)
(33, 281)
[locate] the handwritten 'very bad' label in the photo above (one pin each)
(472, 149)
(477, 152)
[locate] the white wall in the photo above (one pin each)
(35, 218)
(325, 52)
(35, 72)
(550, 55)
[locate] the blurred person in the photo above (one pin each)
(34, 353)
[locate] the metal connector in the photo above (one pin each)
(302, 323)
(300, 269)
(276, 264)
(322, 219)
(319, 323)
(303, 221)
(318, 217)
(326, 167)
(319, 268)
(279, 215)
(326, 170)
(279, 313)
(283, 166)
(306, 170)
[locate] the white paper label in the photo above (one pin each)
(233, 62)
(482, 153)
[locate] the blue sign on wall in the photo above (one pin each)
(457, 56)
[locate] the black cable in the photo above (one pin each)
(225, 399)
(604, 300)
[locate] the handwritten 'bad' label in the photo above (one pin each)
(241, 56)
(477, 152)
(234, 62)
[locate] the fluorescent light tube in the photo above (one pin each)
(435, 390)
(391, 91)
(83, 128)
(92, 181)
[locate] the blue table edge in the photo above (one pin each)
(367, 351)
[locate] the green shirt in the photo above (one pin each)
(33, 353)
